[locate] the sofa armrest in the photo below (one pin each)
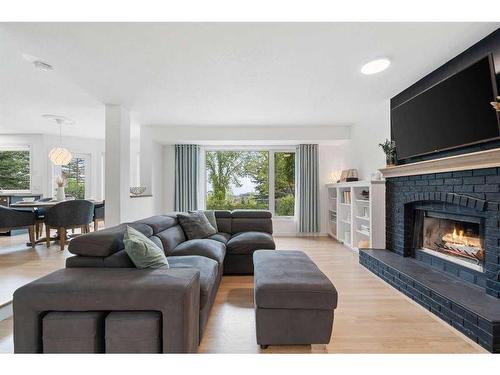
(175, 293)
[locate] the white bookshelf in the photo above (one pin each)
(355, 218)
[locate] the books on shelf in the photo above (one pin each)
(346, 197)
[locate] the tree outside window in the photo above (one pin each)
(15, 170)
(241, 180)
(74, 174)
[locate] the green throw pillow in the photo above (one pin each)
(143, 252)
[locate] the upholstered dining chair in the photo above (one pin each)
(10, 218)
(98, 214)
(40, 217)
(68, 215)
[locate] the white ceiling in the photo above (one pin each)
(229, 74)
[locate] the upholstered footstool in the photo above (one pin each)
(294, 300)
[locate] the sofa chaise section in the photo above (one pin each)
(174, 293)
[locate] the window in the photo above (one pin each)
(247, 180)
(77, 176)
(284, 183)
(15, 168)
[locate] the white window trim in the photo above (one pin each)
(20, 148)
(270, 149)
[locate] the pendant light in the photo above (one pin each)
(60, 155)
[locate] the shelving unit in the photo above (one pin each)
(359, 219)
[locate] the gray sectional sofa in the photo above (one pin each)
(230, 251)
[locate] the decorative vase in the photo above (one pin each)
(60, 196)
(390, 160)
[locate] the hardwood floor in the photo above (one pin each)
(372, 317)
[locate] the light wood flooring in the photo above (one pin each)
(371, 317)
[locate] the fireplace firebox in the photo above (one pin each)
(453, 238)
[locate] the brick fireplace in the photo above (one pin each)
(473, 195)
(443, 247)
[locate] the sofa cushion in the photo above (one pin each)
(251, 224)
(195, 225)
(143, 252)
(251, 214)
(289, 279)
(208, 273)
(247, 242)
(210, 215)
(207, 248)
(159, 223)
(106, 241)
(221, 237)
(119, 260)
(171, 237)
(224, 221)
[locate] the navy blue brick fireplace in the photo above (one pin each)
(464, 292)
(474, 193)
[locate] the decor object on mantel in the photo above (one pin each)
(496, 104)
(389, 148)
(60, 194)
(349, 175)
(59, 155)
(137, 190)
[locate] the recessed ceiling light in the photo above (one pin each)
(375, 66)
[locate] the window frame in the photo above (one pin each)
(20, 148)
(271, 178)
(87, 157)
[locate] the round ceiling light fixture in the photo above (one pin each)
(59, 155)
(375, 66)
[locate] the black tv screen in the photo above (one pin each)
(455, 112)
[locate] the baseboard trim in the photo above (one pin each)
(295, 234)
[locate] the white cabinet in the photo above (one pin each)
(356, 215)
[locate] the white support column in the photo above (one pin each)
(117, 163)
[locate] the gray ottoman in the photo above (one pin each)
(73, 332)
(133, 332)
(294, 300)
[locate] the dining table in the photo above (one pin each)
(33, 205)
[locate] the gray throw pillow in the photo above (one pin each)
(143, 252)
(210, 214)
(195, 225)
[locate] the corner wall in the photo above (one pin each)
(373, 128)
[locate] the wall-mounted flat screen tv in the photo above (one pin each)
(453, 113)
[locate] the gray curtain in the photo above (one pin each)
(307, 188)
(187, 166)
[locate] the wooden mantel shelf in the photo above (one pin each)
(475, 160)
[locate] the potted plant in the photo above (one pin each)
(389, 148)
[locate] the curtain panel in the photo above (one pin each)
(307, 175)
(187, 167)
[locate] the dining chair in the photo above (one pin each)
(10, 218)
(66, 215)
(40, 217)
(98, 214)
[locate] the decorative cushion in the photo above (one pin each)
(248, 242)
(195, 225)
(143, 252)
(210, 214)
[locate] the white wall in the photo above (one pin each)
(42, 180)
(372, 129)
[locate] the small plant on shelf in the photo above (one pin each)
(389, 148)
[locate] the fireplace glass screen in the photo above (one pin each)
(454, 240)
